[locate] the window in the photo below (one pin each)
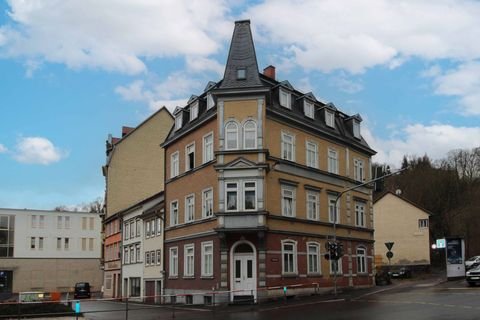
(147, 232)
(40, 243)
(91, 223)
(361, 260)
(137, 227)
(174, 164)
(152, 227)
(178, 121)
(332, 161)
(356, 129)
(41, 221)
(250, 195)
(194, 111)
(285, 99)
(147, 258)
(288, 146)
(422, 223)
(126, 260)
(59, 222)
(312, 205)
(173, 268)
(241, 74)
(67, 222)
(250, 135)
(333, 209)
(90, 244)
(231, 136)
(309, 109)
(208, 147)
(336, 265)
(126, 230)
(289, 257)
(190, 157)
(288, 201)
(232, 196)
(358, 170)
(132, 254)
(84, 223)
(84, 244)
(313, 260)
(174, 213)
(190, 208)
(312, 154)
(210, 101)
(159, 226)
(329, 118)
(189, 260)
(32, 242)
(34, 221)
(59, 243)
(132, 229)
(359, 214)
(207, 203)
(134, 287)
(207, 259)
(159, 256)
(66, 244)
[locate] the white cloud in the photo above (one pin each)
(355, 35)
(37, 150)
(113, 34)
(417, 139)
(346, 84)
(3, 149)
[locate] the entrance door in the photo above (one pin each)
(243, 274)
(150, 291)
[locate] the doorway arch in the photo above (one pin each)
(243, 269)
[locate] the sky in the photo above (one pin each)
(74, 71)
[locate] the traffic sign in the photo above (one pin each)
(441, 244)
(389, 255)
(389, 245)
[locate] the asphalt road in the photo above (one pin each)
(407, 299)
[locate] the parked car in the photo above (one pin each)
(382, 278)
(472, 262)
(82, 290)
(473, 275)
(402, 272)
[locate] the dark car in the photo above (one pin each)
(382, 278)
(400, 273)
(82, 290)
(473, 276)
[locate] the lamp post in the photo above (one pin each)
(335, 208)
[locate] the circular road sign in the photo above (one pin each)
(389, 254)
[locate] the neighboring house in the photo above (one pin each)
(253, 168)
(402, 222)
(134, 171)
(49, 250)
(133, 247)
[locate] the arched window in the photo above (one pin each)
(361, 260)
(231, 136)
(250, 135)
(289, 257)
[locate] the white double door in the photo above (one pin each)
(244, 274)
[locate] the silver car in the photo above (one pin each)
(472, 262)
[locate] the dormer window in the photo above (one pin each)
(356, 129)
(309, 109)
(178, 121)
(210, 101)
(285, 99)
(330, 118)
(194, 111)
(241, 74)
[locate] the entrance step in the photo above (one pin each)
(242, 300)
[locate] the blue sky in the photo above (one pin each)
(71, 72)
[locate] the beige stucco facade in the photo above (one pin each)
(397, 220)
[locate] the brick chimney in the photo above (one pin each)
(269, 72)
(126, 130)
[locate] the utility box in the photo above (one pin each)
(455, 256)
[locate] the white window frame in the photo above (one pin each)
(332, 160)
(173, 262)
(174, 164)
(207, 270)
(293, 252)
(331, 209)
(359, 170)
(423, 223)
(285, 98)
(207, 203)
(229, 189)
(41, 221)
(356, 129)
(174, 216)
(288, 146)
(309, 109)
(287, 191)
(189, 147)
(250, 130)
(178, 121)
(147, 258)
(311, 154)
(34, 221)
(234, 131)
(207, 147)
(190, 208)
(313, 204)
(245, 189)
(147, 229)
(316, 254)
(189, 260)
(59, 222)
(330, 118)
(194, 111)
(360, 214)
(361, 260)
(210, 101)
(126, 257)
(67, 222)
(159, 226)
(158, 259)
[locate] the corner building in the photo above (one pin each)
(253, 167)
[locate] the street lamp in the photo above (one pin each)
(335, 207)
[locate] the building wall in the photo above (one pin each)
(137, 160)
(396, 220)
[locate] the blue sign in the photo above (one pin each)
(441, 244)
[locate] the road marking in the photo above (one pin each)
(301, 305)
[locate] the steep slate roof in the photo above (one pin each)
(241, 55)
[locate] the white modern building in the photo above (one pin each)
(49, 250)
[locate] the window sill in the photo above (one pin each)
(172, 277)
(314, 274)
(289, 275)
(188, 277)
(207, 277)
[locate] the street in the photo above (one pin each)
(402, 300)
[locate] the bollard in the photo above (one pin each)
(18, 309)
(77, 309)
(126, 308)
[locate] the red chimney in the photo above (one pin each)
(126, 130)
(269, 72)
